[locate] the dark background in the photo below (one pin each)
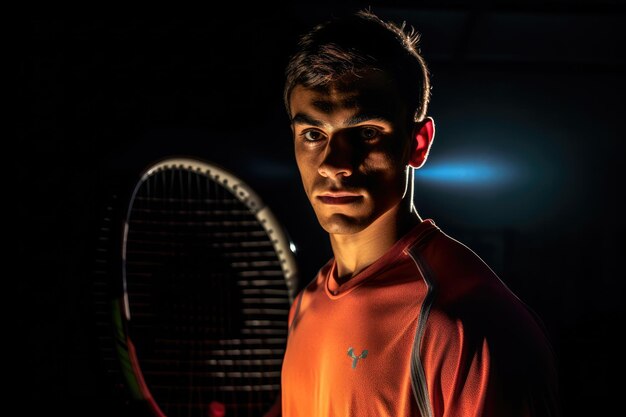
(528, 97)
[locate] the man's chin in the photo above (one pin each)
(341, 224)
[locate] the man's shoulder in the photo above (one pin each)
(469, 300)
(449, 265)
(464, 288)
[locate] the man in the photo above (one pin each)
(403, 320)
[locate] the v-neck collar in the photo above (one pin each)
(335, 291)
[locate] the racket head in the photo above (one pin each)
(208, 275)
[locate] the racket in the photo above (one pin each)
(208, 275)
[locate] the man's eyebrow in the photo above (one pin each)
(305, 119)
(365, 117)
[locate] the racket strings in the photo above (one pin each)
(208, 302)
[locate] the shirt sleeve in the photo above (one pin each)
(276, 409)
(472, 368)
(293, 311)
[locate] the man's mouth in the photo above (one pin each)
(339, 197)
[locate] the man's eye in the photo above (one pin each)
(312, 135)
(369, 133)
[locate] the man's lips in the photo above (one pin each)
(339, 197)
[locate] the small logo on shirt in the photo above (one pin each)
(355, 359)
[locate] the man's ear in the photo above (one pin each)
(421, 141)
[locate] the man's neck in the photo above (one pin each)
(356, 251)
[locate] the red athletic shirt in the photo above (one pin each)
(426, 330)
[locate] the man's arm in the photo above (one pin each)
(276, 409)
(475, 368)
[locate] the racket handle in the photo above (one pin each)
(276, 409)
(216, 409)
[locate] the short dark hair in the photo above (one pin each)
(357, 42)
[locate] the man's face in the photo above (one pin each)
(351, 143)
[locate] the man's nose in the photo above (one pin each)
(338, 157)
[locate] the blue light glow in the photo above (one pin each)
(471, 173)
